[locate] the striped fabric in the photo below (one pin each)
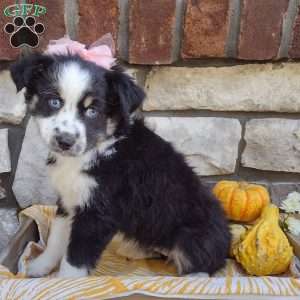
(117, 276)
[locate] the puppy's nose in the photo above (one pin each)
(65, 140)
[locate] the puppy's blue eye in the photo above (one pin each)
(91, 113)
(55, 103)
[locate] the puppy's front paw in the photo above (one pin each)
(66, 270)
(39, 267)
(74, 273)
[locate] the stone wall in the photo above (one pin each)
(222, 79)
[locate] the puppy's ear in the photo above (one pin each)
(26, 69)
(123, 93)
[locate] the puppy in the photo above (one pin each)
(113, 174)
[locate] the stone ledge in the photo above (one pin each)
(31, 184)
(8, 225)
(12, 105)
(252, 87)
(210, 145)
(2, 191)
(5, 165)
(272, 144)
(280, 190)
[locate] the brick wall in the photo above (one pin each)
(222, 80)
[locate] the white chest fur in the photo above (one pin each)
(73, 185)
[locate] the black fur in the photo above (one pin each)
(145, 189)
(124, 97)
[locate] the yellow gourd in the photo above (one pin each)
(241, 201)
(265, 249)
(237, 231)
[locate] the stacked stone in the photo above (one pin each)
(12, 112)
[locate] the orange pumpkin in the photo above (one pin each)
(241, 201)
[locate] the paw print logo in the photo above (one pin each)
(24, 32)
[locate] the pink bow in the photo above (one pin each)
(98, 53)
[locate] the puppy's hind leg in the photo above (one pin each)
(183, 264)
(199, 253)
(132, 250)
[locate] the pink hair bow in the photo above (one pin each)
(100, 52)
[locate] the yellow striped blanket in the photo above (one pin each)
(118, 276)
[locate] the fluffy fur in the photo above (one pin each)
(114, 174)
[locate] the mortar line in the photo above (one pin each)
(71, 16)
(241, 115)
(241, 146)
(287, 28)
(123, 32)
(177, 33)
(231, 46)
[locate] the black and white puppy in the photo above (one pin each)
(113, 174)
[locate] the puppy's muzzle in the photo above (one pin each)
(65, 141)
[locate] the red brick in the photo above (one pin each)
(151, 25)
(97, 18)
(261, 26)
(7, 52)
(206, 28)
(294, 51)
(53, 21)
